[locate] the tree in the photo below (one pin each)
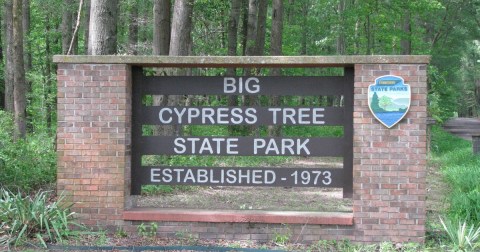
(9, 64)
(276, 49)
(180, 38)
(180, 41)
(375, 103)
(161, 46)
(406, 42)
(232, 31)
(103, 27)
(261, 28)
(251, 28)
(67, 25)
(385, 101)
(19, 85)
(133, 29)
(86, 24)
(26, 31)
(161, 27)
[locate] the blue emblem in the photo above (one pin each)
(389, 99)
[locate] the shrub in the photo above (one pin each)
(26, 164)
(23, 218)
(462, 237)
(461, 170)
(442, 97)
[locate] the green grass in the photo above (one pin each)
(461, 170)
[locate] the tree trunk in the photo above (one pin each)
(276, 49)
(180, 41)
(341, 30)
(160, 46)
(406, 42)
(161, 27)
(74, 49)
(86, 24)
(261, 28)
(103, 27)
(291, 11)
(133, 30)
(232, 49)
(19, 90)
(181, 28)
(251, 27)
(48, 70)
(67, 27)
(368, 34)
(26, 32)
(232, 32)
(9, 64)
(244, 29)
(2, 47)
(305, 27)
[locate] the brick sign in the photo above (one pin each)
(242, 145)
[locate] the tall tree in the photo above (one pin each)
(305, 29)
(2, 47)
(276, 49)
(251, 27)
(133, 30)
(341, 27)
(103, 27)
(9, 64)
(67, 25)
(261, 28)
(19, 90)
(161, 46)
(244, 27)
(232, 32)
(161, 27)
(86, 24)
(232, 38)
(406, 42)
(26, 37)
(180, 38)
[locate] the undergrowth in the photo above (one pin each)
(461, 170)
(25, 164)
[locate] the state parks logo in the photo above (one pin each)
(389, 99)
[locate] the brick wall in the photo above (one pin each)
(94, 124)
(389, 164)
(301, 233)
(93, 137)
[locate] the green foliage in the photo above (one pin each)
(465, 193)
(462, 236)
(442, 96)
(186, 237)
(283, 237)
(121, 233)
(25, 217)
(26, 164)
(461, 169)
(443, 143)
(147, 230)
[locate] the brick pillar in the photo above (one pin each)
(390, 164)
(93, 140)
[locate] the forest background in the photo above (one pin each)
(32, 31)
